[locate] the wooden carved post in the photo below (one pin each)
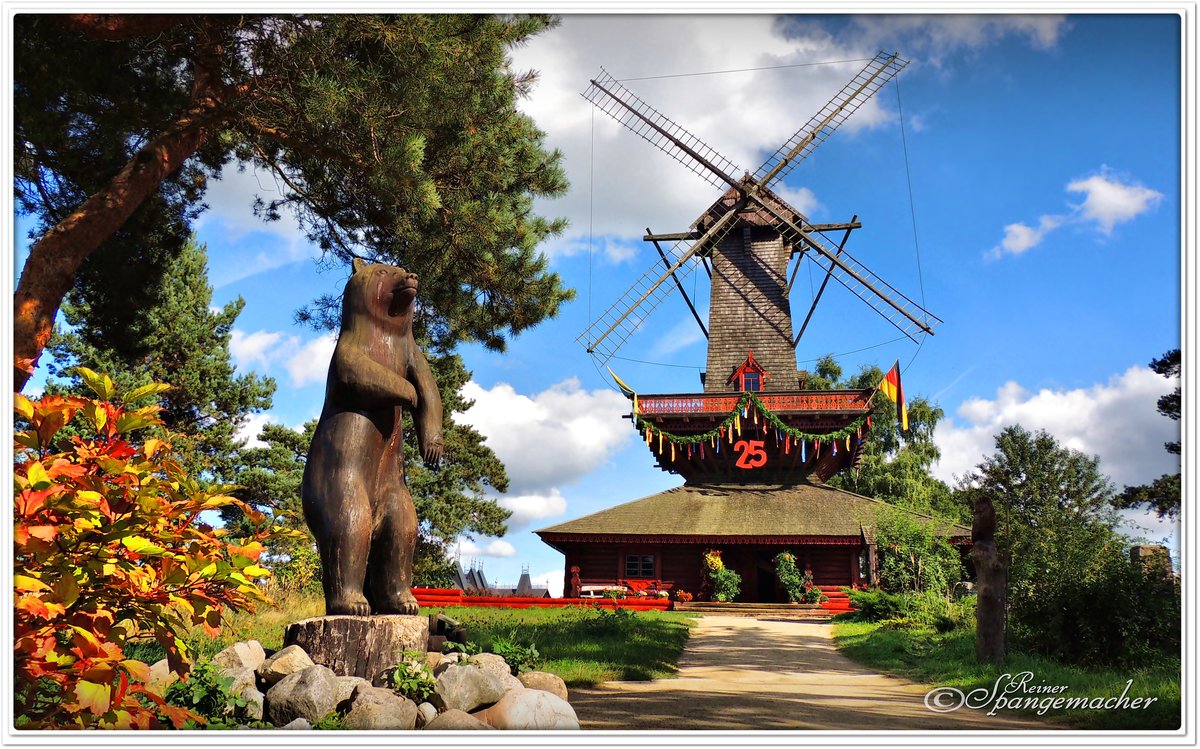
(872, 566)
(575, 588)
(991, 569)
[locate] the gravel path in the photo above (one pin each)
(740, 673)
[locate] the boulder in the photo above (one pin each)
(284, 663)
(243, 679)
(425, 713)
(511, 682)
(161, 677)
(254, 703)
(344, 687)
(530, 710)
(376, 708)
(249, 654)
(309, 694)
(299, 724)
(447, 660)
(546, 682)
(466, 688)
(491, 663)
(433, 660)
(456, 720)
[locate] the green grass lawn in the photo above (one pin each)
(949, 660)
(586, 646)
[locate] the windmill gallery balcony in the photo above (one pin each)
(779, 437)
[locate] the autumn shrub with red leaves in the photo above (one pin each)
(109, 546)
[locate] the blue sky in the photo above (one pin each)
(1044, 161)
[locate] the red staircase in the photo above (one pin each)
(839, 601)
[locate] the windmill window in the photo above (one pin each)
(748, 377)
(639, 565)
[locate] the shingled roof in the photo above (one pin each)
(734, 512)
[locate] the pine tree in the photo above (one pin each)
(171, 335)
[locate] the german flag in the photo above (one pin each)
(890, 385)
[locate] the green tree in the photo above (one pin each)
(895, 466)
(1053, 511)
(914, 555)
(826, 374)
(177, 339)
(1164, 494)
(395, 138)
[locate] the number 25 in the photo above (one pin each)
(752, 454)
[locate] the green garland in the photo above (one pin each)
(747, 398)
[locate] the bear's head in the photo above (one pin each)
(380, 293)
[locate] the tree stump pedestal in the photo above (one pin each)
(364, 646)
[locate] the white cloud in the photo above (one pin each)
(1019, 238)
(553, 581)
(549, 439)
(622, 185)
(528, 508)
(250, 349)
(1110, 201)
(1117, 420)
(494, 548)
(936, 36)
(311, 362)
(305, 361)
(231, 202)
(681, 335)
(251, 429)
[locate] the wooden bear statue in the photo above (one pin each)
(355, 497)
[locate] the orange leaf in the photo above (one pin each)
(30, 502)
(64, 467)
(44, 532)
(36, 606)
(94, 697)
(138, 670)
(101, 673)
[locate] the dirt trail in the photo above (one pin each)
(741, 674)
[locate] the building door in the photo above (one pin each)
(767, 588)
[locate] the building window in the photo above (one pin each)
(639, 565)
(749, 377)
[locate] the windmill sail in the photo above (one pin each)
(863, 86)
(748, 204)
(606, 334)
(618, 102)
(902, 312)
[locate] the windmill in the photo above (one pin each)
(745, 241)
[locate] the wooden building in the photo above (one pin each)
(664, 536)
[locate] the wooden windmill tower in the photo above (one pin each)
(746, 241)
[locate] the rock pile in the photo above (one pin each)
(290, 691)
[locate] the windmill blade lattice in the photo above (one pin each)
(892, 305)
(862, 87)
(610, 330)
(618, 102)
